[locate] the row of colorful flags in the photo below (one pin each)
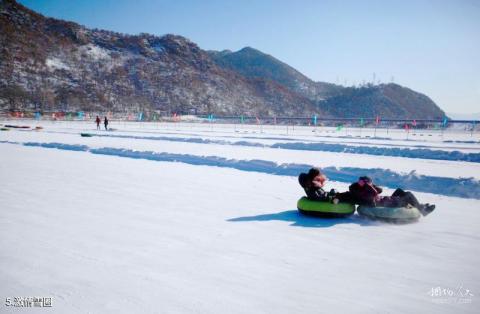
(211, 118)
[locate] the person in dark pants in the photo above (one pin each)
(364, 192)
(105, 122)
(313, 183)
(97, 120)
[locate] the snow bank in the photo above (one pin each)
(58, 146)
(327, 147)
(460, 187)
(383, 151)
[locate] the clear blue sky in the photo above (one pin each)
(430, 46)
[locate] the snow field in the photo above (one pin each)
(106, 234)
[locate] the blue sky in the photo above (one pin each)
(429, 46)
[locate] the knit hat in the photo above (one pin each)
(313, 172)
(366, 179)
(303, 178)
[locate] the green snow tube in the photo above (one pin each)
(86, 134)
(324, 209)
(391, 214)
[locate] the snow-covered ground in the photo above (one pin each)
(198, 218)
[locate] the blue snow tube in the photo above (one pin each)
(390, 214)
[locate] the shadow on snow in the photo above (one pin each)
(299, 220)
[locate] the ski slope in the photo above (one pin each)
(167, 218)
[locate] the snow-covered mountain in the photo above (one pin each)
(47, 63)
(386, 100)
(253, 63)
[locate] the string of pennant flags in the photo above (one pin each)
(314, 120)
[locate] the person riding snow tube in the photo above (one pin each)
(390, 214)
(318, 201)
(324, 208)
(401, 206)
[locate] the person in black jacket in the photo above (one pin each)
(105, 122)
(364, 192)
(313, 183)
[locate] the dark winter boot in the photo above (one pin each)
(427, 209)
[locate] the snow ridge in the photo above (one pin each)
(383, 151)
(460, 187)
(419, 153)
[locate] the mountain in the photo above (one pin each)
(51, 64)
(253, 63)
(48, 63)
(386, 100)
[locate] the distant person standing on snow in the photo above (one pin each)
(97, 120)
(105, 122)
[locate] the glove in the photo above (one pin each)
(333, 192)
